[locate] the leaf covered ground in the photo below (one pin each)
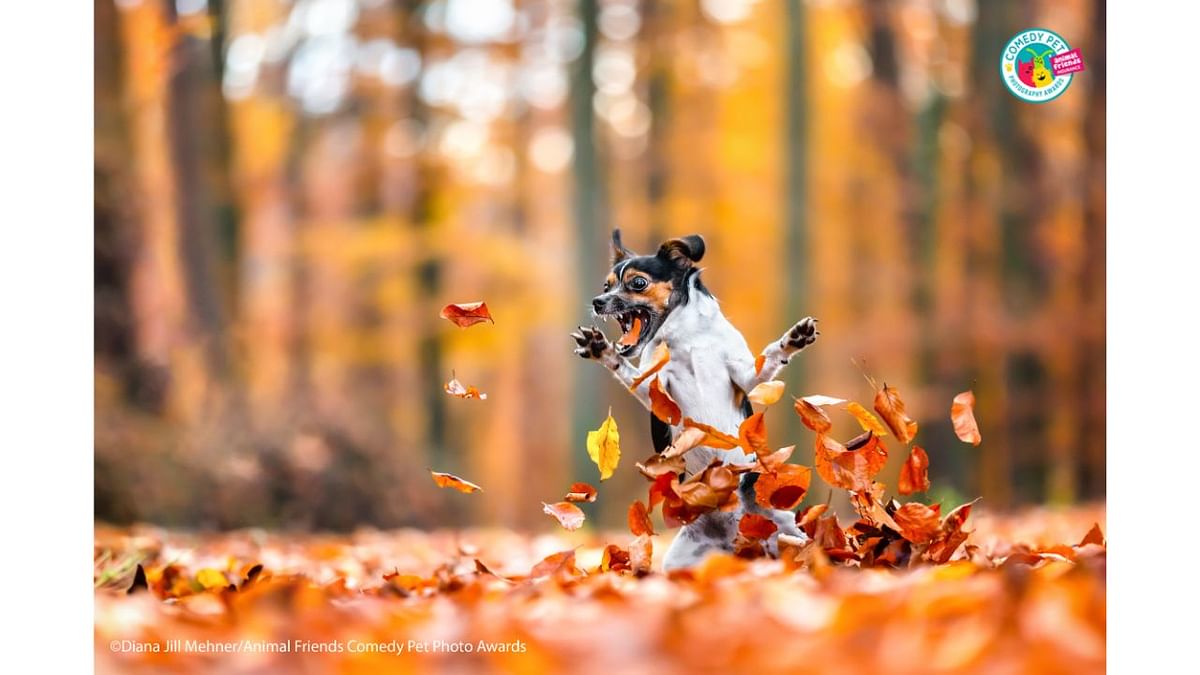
(1026, 595)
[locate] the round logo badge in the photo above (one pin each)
(1037, 65)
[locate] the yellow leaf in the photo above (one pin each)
(767, 393)
(604, 446)
(211, 579)
(866, 420)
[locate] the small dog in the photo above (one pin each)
(660, 299)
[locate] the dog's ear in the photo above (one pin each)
(682, 252)
(619, 252)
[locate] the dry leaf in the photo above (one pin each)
(850, 469)
(567, 514)
(784, 488)
(581, 492)
(752, 435)
(1094, 536)
(641, 554)
(769, 462)
(662, 405)
(211, 579)
(767, 393)
(635, 332)
(914, 475)
(865, 419)
(451, 481)
(639, 519)
(809, 408)
(891, 409)
(962, 413)
(660, 357)
(918, 523)
(687, 439)
(713, 438)
(604, 446)
(467, 313)
(554, 564)
(456, 388)
(753, 526)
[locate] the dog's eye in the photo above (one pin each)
(638, 283)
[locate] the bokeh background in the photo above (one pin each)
(287, 192)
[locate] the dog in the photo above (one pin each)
(660, 299)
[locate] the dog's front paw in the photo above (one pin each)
(592, 344)
(801, 335)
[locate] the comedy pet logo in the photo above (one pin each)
(1037, 65)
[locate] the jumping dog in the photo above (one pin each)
(658, 299)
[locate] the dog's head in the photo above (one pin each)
(641, 290)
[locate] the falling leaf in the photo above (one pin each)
(850, 469)
(467, 313)
(809, 408)
(567, 514)
(754, 526)
(662, 464)
(687, 439)
(713, 438)
(635, 332)
(865, 419)
(962, 413)
(456, 388)
(767, 393)
(784, 488)
(770, 462)
(604, 446)
(614, 559)
(951, 536)
(451, 481)
(918, 523)
(914, 475)
(810, 515)
(752, 435)
(659, 358)
(581, 492)
(1094, 536)
(891, 409)
(758, 363)
(662, 405)
(639, 519)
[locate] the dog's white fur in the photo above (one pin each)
(709, 358)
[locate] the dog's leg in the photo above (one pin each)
(742, 368)
(592, 345)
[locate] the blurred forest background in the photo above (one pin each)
(288, 191)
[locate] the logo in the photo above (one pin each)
(1037, 65)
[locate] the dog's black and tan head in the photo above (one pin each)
(641, 290)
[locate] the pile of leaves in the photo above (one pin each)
(1029, 597)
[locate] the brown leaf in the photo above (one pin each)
(755, 527)
(865, 419)
(456, 388)
(581, 492)
(449, 480)
(891, 408)
(784, 488)
(850, 469)
(658, 465)
(662, 405)
(614, 559)
(1094, 536)
(752, 435)
(951, 536)
(805, 518)
(809, 408)
(713, 438)
(555, 563)
(639, 519)
(766, 393)
(914, 475)
(918, 522)
(660, 358)
(567, 514)
(962, 413)
(467, 313)
(687, 439)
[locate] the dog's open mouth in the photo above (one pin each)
(635, 327)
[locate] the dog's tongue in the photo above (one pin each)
(631, 338)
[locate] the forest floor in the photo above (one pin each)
(1025, 594)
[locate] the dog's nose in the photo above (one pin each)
(598, 305)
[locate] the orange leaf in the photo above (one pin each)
(567, 514)
(661, 356)
(639, 519)
(563, 561)
(614, 559)
(635, 332)
(662, 405)
(766, 393)
(918, 522)
(467, 313)
(758, 363)
(687, 439)
(810, 515)
(891, 409)
(768, 463)
(850, 469)
(866, 420)
(753, 526)
(641, 554)
(784, 488)
(581, 492)
(1094, 536)
(451, 481)
(809, 408)
(713, 438)
(914, 475)
(456, 388)
(752, 435)
(962, 413)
